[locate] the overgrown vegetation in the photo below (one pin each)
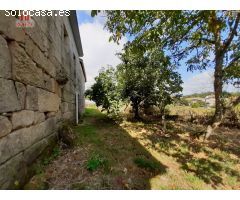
(38, 168)
(198, 104)
(95, 162)
(144, 80)
(105, 92)
(138, 155)
(199, 39)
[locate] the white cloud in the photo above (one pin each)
(231, 88)
(203, 82)
(98, 51)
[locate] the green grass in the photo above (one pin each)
(55, 153)
(87, 134)
(135, 155)
(93, 112)
(147, 164)
(96, 161)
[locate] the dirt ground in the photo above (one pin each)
(137, 155)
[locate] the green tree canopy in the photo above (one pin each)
(201, 39)
(139, 78)
(105, 92)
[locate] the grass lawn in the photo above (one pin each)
(137, 155)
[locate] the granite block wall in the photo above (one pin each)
(33, 102)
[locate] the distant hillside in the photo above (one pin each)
(199, 95)
(204, 94)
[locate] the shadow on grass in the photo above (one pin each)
(115, 159)
(208, 163)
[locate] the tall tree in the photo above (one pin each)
(202, 39)
(136, 79)
(147, 78)
(105, 91)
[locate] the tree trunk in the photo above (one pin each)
(164, 121)
(136, 111)
(218, 86)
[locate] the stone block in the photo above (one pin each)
(5, 126)
(53, 61)
(21, 92)
(56, 47)
(50, 68)
(55, 35)
(12, 144)
(38, 117)
(64, 107)
(52, 138)
(37, 35)
(68, 96)
(23, 68)
(8, 96)
(49, 83)
(68, 116)
(9, 29)
(21, 139)
(48, 101)
(59, 25)
(13, 173)
(42, 22)
(32, 98)
(22, 118)
(50, 114)
(38, 56)
(59, 116)
(5, 59)
(55, 52)
(34, 151)
(58, 89)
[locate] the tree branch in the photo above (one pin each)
(233, 61)
(231, 34)
(207, 40)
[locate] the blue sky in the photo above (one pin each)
(99, 52)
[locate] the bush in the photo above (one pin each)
(182, 102)
(198, 104)
(95, 162)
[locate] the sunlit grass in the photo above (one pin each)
(136, 155)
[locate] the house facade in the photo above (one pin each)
(42, 83)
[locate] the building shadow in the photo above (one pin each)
(124, 162)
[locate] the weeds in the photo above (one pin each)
(95, 162)
(137, 155)
(55, 154)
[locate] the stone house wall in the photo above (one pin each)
(32, 102)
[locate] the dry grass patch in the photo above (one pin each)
(139, 155)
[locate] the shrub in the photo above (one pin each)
(95, 162)
(182, 102)
(198, 104)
